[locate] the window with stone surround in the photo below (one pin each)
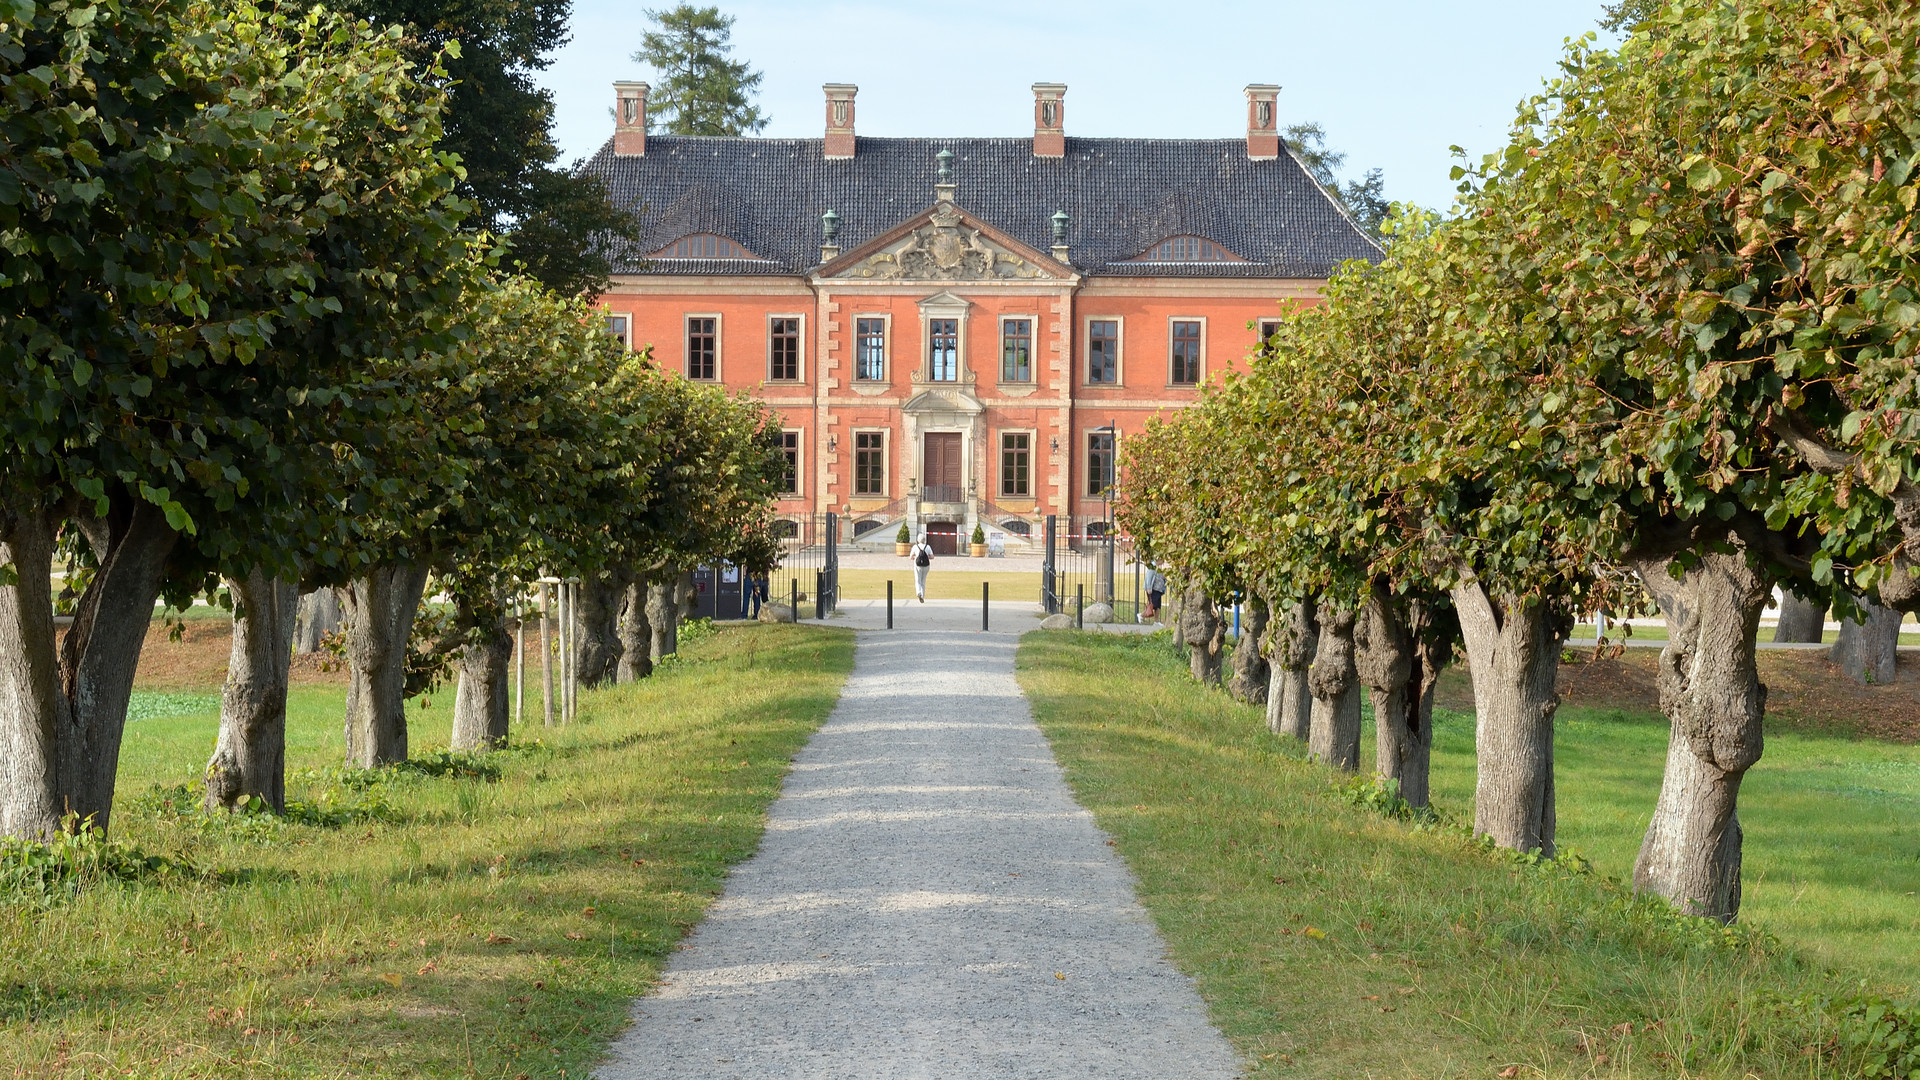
(1016, 350)
(1185, 359)
(1099, 462)
(783, 349)
(869, 463)
(943, 350)
(790, 463)
(1103, 352)
(870, 350)
(703, 347)
(1016, 463)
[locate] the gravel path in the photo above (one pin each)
(928, 901)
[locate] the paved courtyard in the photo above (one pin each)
(928, 900)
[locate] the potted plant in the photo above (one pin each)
(902, 540)
(979, 542)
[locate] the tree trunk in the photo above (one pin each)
(663, 614)
(32, 708)
(1389, 660)
(1867, 652)
(1291, 712)
(250, 753)
(1203, 633)
(480, 705)
(1711, 693)
(1249, 681)
(1801, 621)
(1513, 653)
(379, 609)
(319, 616)
(1334, 726)
(636, 633)
(596, 619)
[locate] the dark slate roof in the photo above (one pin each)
(1124, 194)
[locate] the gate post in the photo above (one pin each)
(1048, 600)
(832, 563)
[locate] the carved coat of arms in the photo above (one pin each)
(945, 248)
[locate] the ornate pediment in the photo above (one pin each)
(944, 400)
(945, 245)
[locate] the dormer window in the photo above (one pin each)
(1187, 249)
(703, 246)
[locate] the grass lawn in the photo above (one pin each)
(1331, 941)
(439, 926)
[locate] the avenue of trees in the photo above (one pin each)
(250, 336)
(1663, 352)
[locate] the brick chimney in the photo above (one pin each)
(1263, 122)
(839, 145)
(1049, 120)
(630, 119)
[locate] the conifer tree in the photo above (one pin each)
(701, 92)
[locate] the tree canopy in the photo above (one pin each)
(701, 90)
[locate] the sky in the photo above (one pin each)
(1395, 83)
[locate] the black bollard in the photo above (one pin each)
(1079, 605)
(889, 603)
(983, 607)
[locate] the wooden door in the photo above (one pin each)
(944, 537)
(940, 472)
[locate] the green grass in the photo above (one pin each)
(1331, 941)
(442, 927)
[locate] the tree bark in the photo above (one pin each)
(663, 614)
(636, 633)
(319, 616)
(1711, 693)
(379, 609)
(1334, 725)
(32, 708)
(1867, 652)
(1801, 621)
(1249, 680)
(480, 704)
(1390, 663)
(250, 753)
(1291, 711)
(596, 619)
(1513, 653)
(101, 651)
(1203, 633)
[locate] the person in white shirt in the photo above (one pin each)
(1156, 589)
(922, 555)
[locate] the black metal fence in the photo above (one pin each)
(807, 575)
(1088, 565)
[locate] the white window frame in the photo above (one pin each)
(1119, 350)
(886, 345)
(1033, 350)
(958, 310)
(800, 360)
(1033, 462)
(886, 462)
(626, 337)
(719, 349)
(799, 462)
(1113, 450)
(1200, 377)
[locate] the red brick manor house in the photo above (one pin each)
(957, 331)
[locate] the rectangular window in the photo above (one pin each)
(617, 326)
(703, 341)
(783, 350)
(1016, 463)
(1016, 350)
(943, 350)
(1186, 353)
(870, 350)
(1268, 328)
(869, 463)
(1103, 351)
(1099, 462)
(790, 457)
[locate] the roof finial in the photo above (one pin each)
(830, 232)
(943, 189)
(1061, 219)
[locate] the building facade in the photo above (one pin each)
(962, 331)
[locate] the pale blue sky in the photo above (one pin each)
(1395, 82)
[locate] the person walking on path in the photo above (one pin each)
(1156, 586)
(922, 555)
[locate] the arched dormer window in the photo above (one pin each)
(1187, 249)
(704, 246)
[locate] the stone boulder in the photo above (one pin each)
(1057, 622)
(1098, 613)
(775, 611)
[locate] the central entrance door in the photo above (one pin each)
(944, 537)
(940, 468)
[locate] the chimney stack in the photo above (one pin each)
(1263, 122)
(1049, 120)
(839, 144)
(630, 119)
